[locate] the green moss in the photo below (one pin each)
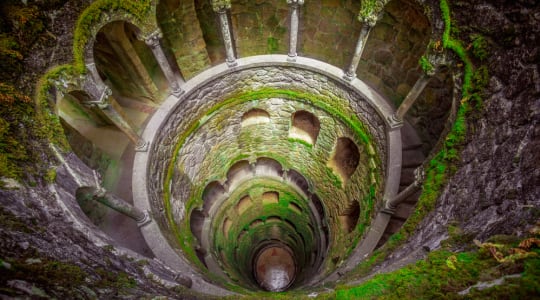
(456, 237)
(323, 102)
(50, 176)
(443, 274)
(425, 64)
(272, 45)
(44, 272)
(52, 129)
(442, 165)
(92, 16)
(370, 9)
(24, 132)
(479, 46)
(300, 141)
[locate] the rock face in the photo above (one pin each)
(51, 249)
(496, 189)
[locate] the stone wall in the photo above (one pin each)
(182, 36)
(328, 31)
(390, 60)
(196, 109)
(260, 27)
(207, 153)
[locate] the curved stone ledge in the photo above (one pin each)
(163, 128)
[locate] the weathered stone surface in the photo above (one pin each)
(45, 232)
(496, 189)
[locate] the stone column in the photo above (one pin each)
(221, 7)
(391, 205)
(153, 42)
(293, 30)
(350, 74)
(114, 112)
(397, 118)
(102, 196)
(369, 15)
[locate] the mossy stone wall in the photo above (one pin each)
(182, 36)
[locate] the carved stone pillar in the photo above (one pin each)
(397, 118)
(293, 30)
(370, 13)
(153, 42)
(115, 113)
(391, 205)
(350, 74)
(221, 7)
(102, 196)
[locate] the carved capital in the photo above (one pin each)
(419, 176)
(295, 2)
(371, 11)
(395, 121)
(152, 40)
(221, 6)
(433, 59)
(103, 102)
(370, 20)
(141, 146)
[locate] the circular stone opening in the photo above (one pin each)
(274, 268)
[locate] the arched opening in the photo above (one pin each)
(128, 66)
(255, 116)
(305, 126)
(238, 172)
(91, 135)
(196, 222)
(270, 198)
(255, 223)
(274, 267)
(345, 159)
(209, 25)
(299, 180)
(268, 166)
(226, 227)
(243, 205)
(348, 217)
(213, 192)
